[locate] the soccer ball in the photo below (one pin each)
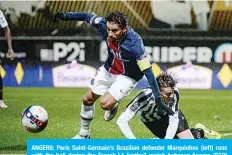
(34, 118)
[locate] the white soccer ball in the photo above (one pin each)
(34, 118)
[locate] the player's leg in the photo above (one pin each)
(2, 104)
(210, 133)
(121, 87)
(87, 114)
(198, 133)
(98, 86)
(183, 131)
(186, 134)
(110, 105)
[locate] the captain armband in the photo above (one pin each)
(144, 64)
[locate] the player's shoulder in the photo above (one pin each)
(177, 94)
(132, 37)
(176, 90)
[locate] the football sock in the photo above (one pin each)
(87, 113)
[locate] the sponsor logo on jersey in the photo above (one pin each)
(97, 20)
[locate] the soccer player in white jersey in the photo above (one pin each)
(161, 124)
(6, 29)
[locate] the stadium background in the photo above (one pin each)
(191, 39)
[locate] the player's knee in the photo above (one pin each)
(106, 105)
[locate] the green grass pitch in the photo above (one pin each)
(63, 106)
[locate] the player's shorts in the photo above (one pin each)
(119, 86)
(159, 127)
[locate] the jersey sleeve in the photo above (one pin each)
(139, 50)
(96, 21)
(3, 22)
(141, 55)
(133, 107)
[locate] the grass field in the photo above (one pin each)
(63, 106)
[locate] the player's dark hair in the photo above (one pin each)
(118, 18)
(166, 80)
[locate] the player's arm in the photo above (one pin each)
(7, 32)
(173, 119)
(66, 16)
(132, 108)
(172, 126)
(94, 20)
(9, 40)
(123, 123)
(146, 68)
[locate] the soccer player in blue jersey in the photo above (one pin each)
(126, 64)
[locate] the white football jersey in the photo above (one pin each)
(144, 105)
(3, 22)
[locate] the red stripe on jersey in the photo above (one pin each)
(117, 64)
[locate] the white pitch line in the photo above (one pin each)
(226, 134)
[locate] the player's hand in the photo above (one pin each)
(60, 15)
(162, 106)
(11, 54)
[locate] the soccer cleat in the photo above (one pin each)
(110, 114)
(3, 105)
(79, 136)
(211, 133)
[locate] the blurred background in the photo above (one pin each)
(190, 38)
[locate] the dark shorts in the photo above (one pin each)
(159, 127)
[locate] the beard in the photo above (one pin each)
(119, 38)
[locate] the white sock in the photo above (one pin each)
(87, 113)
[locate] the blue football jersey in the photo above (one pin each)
(122, 55)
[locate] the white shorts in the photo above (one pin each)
(118, 86)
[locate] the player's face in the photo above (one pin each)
(167, 94)
(115, 32)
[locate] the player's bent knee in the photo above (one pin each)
(106, 105)
(107, 101)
